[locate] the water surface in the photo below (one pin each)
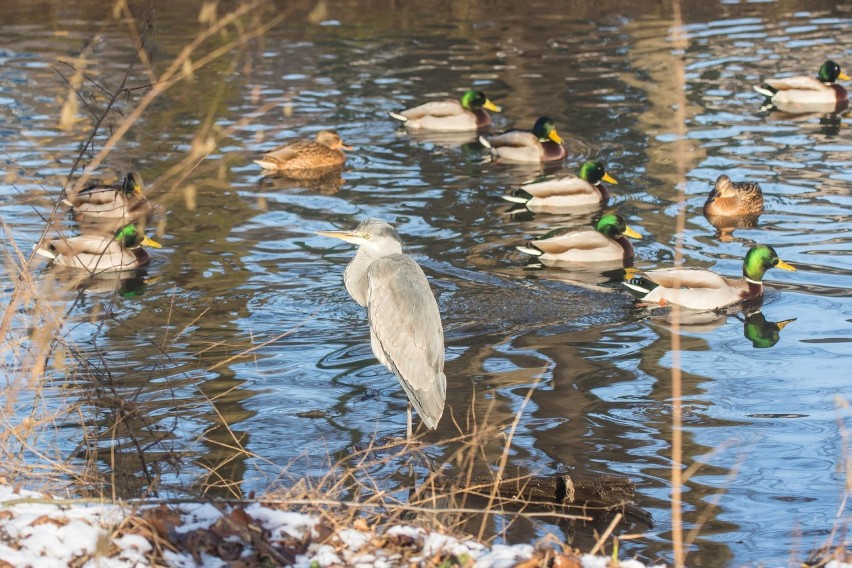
(241, 264)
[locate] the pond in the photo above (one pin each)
(764, 413)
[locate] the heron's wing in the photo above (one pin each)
(799, 83)
(406, 327)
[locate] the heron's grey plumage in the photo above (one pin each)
(406, 333)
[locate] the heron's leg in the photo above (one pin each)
(408, 429)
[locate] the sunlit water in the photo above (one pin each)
(241, 263)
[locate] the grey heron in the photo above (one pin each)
(406, 333)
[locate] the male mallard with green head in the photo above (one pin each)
(701, 289)
(822, 89)
(541, 144)
(466, 113)
(603, 242)
(297, 159)
(566, 192)
(101, 253)
(112, 201)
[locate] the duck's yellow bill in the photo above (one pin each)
(151, 243)
(555, 136)
(628, 232)
(491, 106)
(609, 179)
(630, 273)
(843, 76)
(784, 266)
(782, 324)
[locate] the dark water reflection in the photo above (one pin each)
(241, 264)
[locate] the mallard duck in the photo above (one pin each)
(101, 253)
(467, 113)
(701, 289)
(112, 201)
(566, 192)
(734, 199)
(603, 242)
(300, 158)
(541, 144)
(821, 89)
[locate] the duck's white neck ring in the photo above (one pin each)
(750, 281)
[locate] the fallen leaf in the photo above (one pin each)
(44, 520)
(162, 520)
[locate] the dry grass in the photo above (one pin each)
(51, 383)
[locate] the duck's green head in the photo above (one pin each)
(133, 184)
(593, 172)
(473, 100)
(613, 226)
(545, 129)
(130, 236)
(761, 258)
(830, 72)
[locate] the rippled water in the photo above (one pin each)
(241, 264)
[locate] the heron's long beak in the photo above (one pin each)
(843, 76)
(784, 266)
(348, 236)
(555, 136)
(150, 243)
(491, 106)
(628, 232)
(608, 178)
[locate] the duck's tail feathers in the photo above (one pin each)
(265, 164)
(399, 117)
(485, 142)
(45, 252)
(66, 203)
(640, 285)
(517, 197)
(530, 250)
(765, 90)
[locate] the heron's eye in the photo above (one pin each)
(366, 235)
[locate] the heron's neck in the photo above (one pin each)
(355, 276)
